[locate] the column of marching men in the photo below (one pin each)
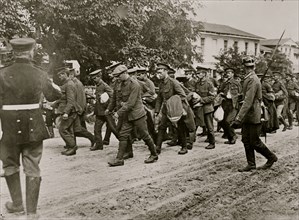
(135, 108)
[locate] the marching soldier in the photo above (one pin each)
(167, 89)
(21, 87)
(99, 111)
(249, 117)
(230, 90)
(293, 97)
(133, 114)
(205, 90)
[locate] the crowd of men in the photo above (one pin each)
(133, 107)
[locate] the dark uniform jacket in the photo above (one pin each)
(115, 102)
(206, 90)
(68, 101)
(131, 102)
(101, 88)
(233, 87)
(280, 91)
(190, 84)
(80, 95)
(167, 88)
(21, 83)
(292, 88)
(250, 111)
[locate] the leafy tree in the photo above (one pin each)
(231, 58)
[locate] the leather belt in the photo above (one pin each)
(20, 107)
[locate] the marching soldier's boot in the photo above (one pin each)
(51, 131)
(129, 150)
(160, 137)
(272, 158)
(32, 193)
(14, 186)
(191, 140)
(285, 125)
(119, 160)
(152, 148)
(70, 151)
(250, 160)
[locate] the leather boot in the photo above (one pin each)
(231, 141)
(96, 147)
(14, 186)
(191, 140)
(210, 146)
(129, 150)
(250, 160)
(32, 193)
(151, 146)
(151, 159)
(183, 150)
(159, 141)
(51, 131)
(70, 151)
(285, 125)
(171, 143)
(269, 163)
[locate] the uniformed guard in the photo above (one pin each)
(249, 117)
(133, 114)
(21, 87)
(205, 90)
(101, 105)
(230, 90)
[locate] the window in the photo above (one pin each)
(246, 47)
(235, 44)
(225, 44)
(202, 44)
(255, 49)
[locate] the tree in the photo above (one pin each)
(95, 33)
(231, 58)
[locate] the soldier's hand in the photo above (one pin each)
(236, 124)
(65, 116)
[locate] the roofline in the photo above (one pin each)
(230, 35)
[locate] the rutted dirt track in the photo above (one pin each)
(203, 184)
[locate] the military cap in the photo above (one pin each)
(22, 44)
(189, 70)
(200, 69)
(142, 70)
(171, 71)
(277, 73)
(163, 66)
(96, 73)
(248, 61)
(112, 66)
(63, 70)
(229, 68)
(118, 70)
(132, 70)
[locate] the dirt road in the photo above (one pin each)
(203, 184)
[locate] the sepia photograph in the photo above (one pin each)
(149, 109)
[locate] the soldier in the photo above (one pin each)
(99, 110)
(229, 90)
(281, 94)
(293, 90)
(205, 89)
(250, 118)
(21, 87)
(169, 87)
(80, 126)
(133, 115)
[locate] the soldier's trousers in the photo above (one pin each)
(110, 124)
(208, 117)
(126, 130)
(229, 115)
(252, 142)
(66, 130)
(31, 154)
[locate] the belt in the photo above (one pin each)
(20, 107)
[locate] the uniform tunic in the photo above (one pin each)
(23, 130)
